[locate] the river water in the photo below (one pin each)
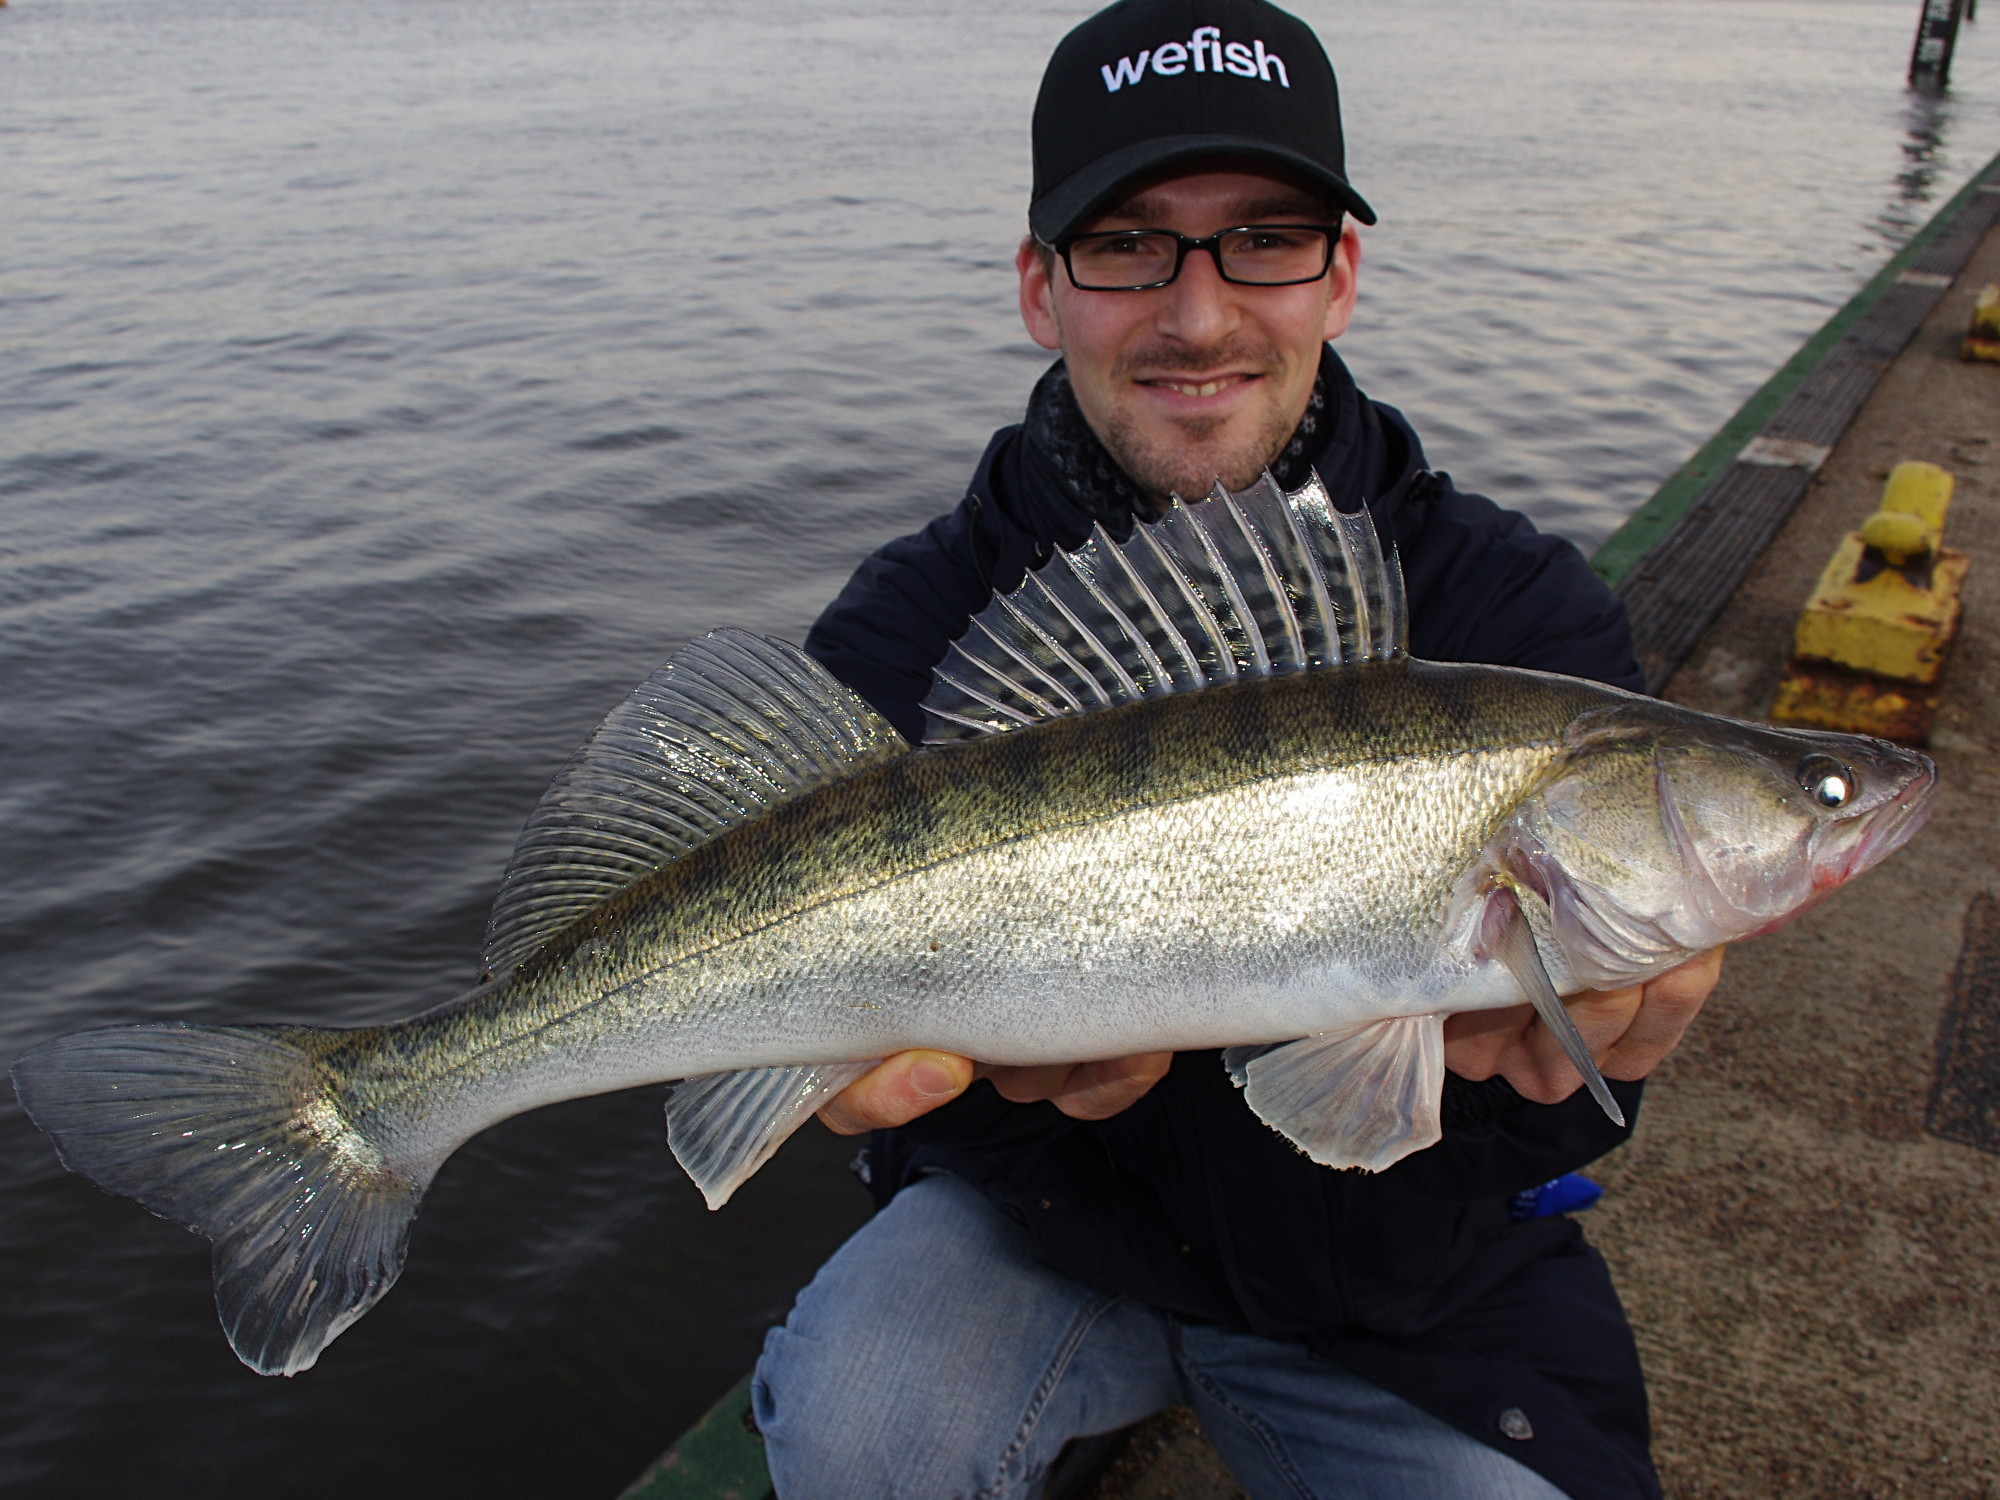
(388, 386)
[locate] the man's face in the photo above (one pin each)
(1200, 379)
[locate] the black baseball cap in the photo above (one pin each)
(1148, 84)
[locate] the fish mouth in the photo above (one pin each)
(1852, 846)
(1848, 848)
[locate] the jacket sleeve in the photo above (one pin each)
(963, 1137)
(1495, 1142)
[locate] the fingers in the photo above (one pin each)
(1030, 1085)
(1099, 1090)
(1477, 1042)
(1515, 1044)
(1629, 1032)
(1085, 1091)
(1671, 1003)
(1542, 1070)
(900, 1089)
(914, 1083)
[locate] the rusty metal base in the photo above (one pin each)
(1819, 695)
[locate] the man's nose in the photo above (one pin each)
(1199, 306)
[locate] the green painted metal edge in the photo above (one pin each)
(719, 1458)
(1621, 551)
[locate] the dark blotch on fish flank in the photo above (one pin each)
(930, 806)
(1132, 763)
(943, 802)
(933, 805)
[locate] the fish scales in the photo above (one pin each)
(806, 936)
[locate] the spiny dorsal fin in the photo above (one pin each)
(1251, 584)
(734, 725)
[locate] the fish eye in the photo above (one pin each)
(1827, 781)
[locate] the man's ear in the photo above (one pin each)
(1346, 268)
(1038, 294)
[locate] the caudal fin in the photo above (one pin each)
(236, 1133)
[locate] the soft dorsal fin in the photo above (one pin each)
(1250, 584)
(734, 725)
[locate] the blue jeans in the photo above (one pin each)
(932, 1358)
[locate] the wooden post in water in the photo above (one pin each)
(1937, 35)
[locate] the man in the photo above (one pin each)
(1061, 1251)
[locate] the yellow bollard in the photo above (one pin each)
(1872, 640)
(1983, 341)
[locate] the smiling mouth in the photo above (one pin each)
(1208, 387)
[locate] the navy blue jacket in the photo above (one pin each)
(1416, 1278)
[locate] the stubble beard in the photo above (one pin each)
(1191, 455)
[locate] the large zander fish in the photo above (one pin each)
(1198, 798)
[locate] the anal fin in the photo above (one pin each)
(1364, 1098)
(722, 1128)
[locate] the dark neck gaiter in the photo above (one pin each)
(1056, 428)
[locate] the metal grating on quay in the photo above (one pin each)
(1964, 1105)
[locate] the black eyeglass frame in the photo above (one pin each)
(1185, 245)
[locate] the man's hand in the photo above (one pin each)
(914, 1083)
(1628, 1031)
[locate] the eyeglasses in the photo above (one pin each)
(1136, 260)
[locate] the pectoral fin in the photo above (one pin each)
(1361, 1098)
(727, 1125)
(1516, 949)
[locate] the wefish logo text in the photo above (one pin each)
(1204, 52)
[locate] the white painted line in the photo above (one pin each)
(1924, 278)
(1783, 453)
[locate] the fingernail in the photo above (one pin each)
(931, 1079)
